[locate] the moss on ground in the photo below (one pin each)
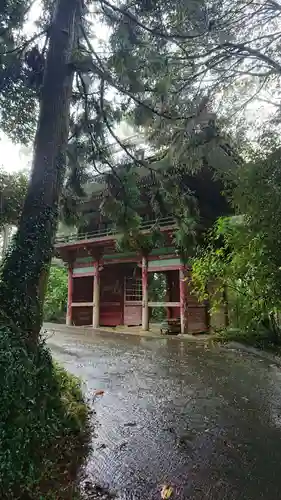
(43, 423)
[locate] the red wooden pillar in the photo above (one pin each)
(96, 296)
(145, 310)
(69, 296)
(183, 298)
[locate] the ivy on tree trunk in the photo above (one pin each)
(27, 263)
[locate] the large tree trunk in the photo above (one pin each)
(30, 256)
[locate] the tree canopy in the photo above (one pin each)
(18, 106)
(180, 56)
(167, 67)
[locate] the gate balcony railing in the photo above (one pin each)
(110, 231)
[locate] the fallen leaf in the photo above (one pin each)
(167, 492)
(98, 393)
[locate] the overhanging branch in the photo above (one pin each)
(240, 47)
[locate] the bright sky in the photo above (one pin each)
(14, 157)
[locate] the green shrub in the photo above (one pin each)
(262, 338)
(43, 419)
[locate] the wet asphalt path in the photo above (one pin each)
(206, 420)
